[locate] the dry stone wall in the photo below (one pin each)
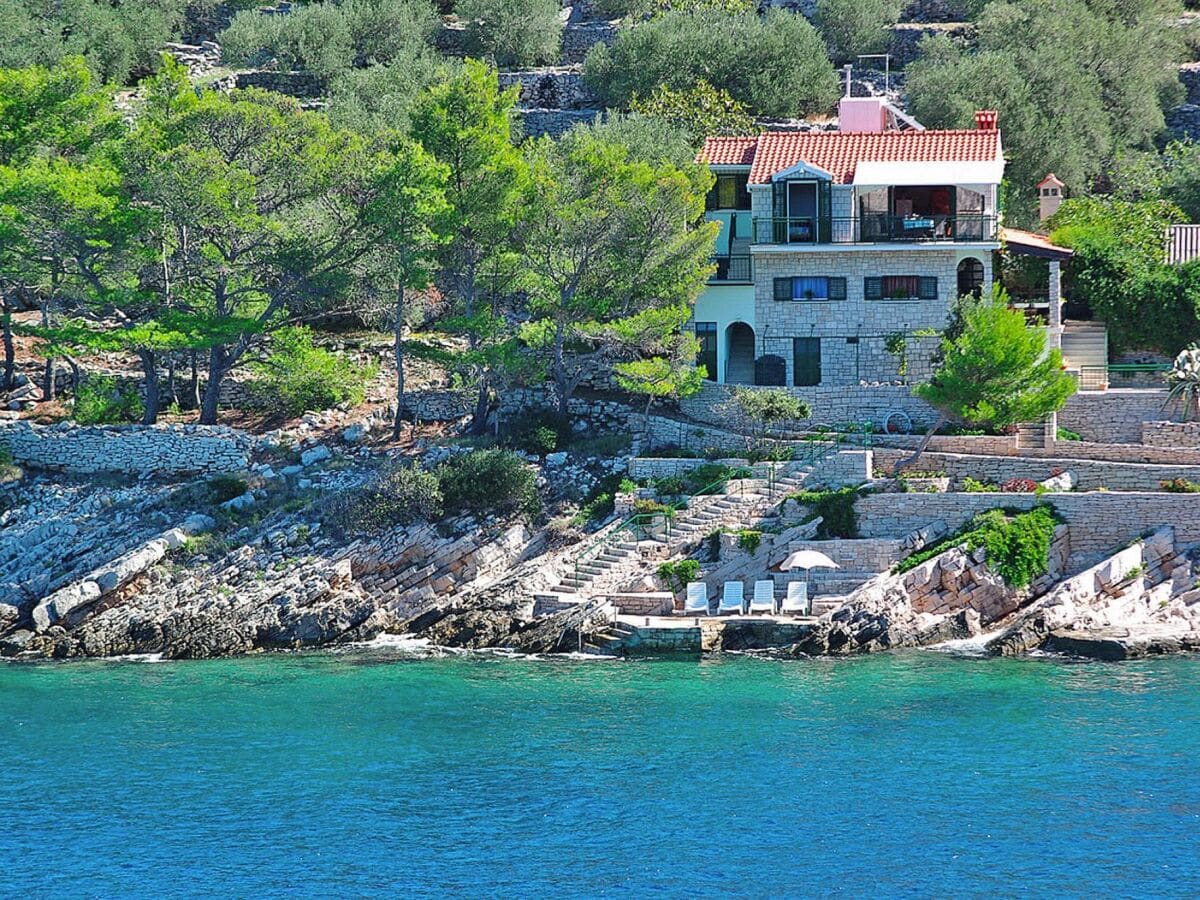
(1184, 435)
(130, 449)
(1112, 416)
(1091, 475)
(1100, 522)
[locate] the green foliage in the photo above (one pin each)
(329, 38)
(398, 494)
(1180, 486)
(106, 400)
(1107, 68)
(539, 431)
(769, 407)
(749, 540)
(1066, 434)
(1172, 176)
(598, 277)
(1120, 271)
(1184, 381)
(512, 33)
(997, 371)
(222, 488)
(790, 75)
(676, 574)
(698, 111)
(648, 139)
(116, 39)
(653, 508)
(615, 9)
(599, 504)
(379, 98)
(1017, 545)
(836, 510)
(974, 486)
(299, 376)
(489, 482)
(853, 27)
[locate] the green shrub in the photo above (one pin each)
(791, 74)
(329, 38)
(836, 509)
(106, 400)
(1017, 545)
(653, 508)
(512, 33)
(539, 431)
(708, 478)
(749, 540)
(298, 376)
(222, 488)
(1180, 486)
(399, 494)
(853, 27)
(598, 504)
(489, 482)
(1066, 434)
(669, 486)
(676, 575)
(974, 486)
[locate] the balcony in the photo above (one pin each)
(732, 269)
(877, 229)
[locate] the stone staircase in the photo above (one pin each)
(610, 641)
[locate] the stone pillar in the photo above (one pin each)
(1055, 296)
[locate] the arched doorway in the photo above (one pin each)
(739, 354)
(970, 277)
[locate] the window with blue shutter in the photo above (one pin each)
(783, 289)
(927, 287)
(873, 288)
(837, 288)
(809, 288)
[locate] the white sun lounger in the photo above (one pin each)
(696, 603)
(764, 597)
(797, 598)
(733, 598)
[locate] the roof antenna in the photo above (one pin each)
(848, 68)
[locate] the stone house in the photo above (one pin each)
(841, 253)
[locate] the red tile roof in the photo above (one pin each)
(729, 151)
(840, 152)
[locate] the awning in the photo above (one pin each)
(1026, 243)
(928, 174)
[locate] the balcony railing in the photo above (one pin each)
(871, 229)
(732, 269)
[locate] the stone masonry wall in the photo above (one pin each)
(1171, 434)
(1112, 416)
(131, 449)
(1100, 522)
(1091, 474)
(852, 330)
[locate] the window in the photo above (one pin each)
(806, 362)
(900, 287)
(810, 288)
(706, 334)
(730, 192)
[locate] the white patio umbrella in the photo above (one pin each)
(806, 560)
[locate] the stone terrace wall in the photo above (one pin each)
(131, 449)
(831, 405)
(1100, 522)
(1171, 434)
(1092, 474)
(1114, 416)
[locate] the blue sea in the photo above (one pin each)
(368, 774)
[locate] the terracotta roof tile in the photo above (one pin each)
(728, 151)
(840, 152)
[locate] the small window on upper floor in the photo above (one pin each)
(730, 192)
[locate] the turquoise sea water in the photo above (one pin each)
(360, 774)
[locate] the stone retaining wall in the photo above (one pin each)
(302, 85)
(551, 87)
(1100, 522)
(554, 122)
(1171, 434)
(131, 449)
(1091, 474)
(1114, 416)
